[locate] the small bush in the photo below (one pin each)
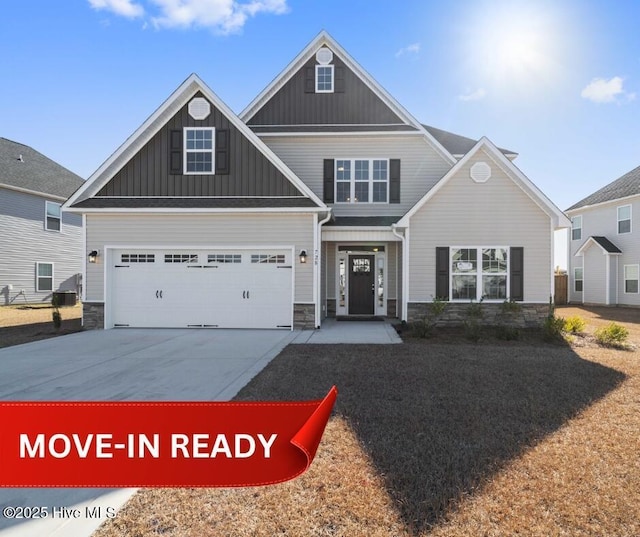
(506, 332)
(473, 324)
(425, 327)
(574, 325)
(56, 317)
(612, 335)
(552, 328)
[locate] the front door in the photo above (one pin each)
(361, 285)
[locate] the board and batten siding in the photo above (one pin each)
(421, 166)
(213, 231)
(24, 241)
(602, 220)
(495, 213)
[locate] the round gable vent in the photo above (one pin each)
(480, 172)
(199, 108)
(324, 56)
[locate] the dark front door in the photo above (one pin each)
(361, 289)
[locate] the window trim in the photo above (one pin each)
(630, 219)
(352, 181)
(479, 273)
(576, 280)
(333, 79)
(46, 216)
(38, 263)
(186, 151)
(576, 228)
(625, 279)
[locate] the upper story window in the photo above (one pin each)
(324, 78)
(198, 150)
(362, 181)
(53, 216)
(576, 228)
(624, 219)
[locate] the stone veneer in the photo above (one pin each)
(93, 315)
(304, 316)
(455, 313)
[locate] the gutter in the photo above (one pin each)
(317, 260)
(405, 268)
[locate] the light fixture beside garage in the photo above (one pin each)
(93, 256)
(303, 256)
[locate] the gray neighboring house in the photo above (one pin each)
(604, 261)
(41, 245)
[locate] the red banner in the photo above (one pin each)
(176, 444)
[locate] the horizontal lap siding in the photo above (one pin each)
(495, 213)
(421, 166)
(205, 231)
(595, 283)
(24, 242)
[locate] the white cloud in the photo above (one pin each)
(414, 48)
(600, 90)
(476, 95)
(226, 16)
(125, 8)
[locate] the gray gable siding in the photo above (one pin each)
(357, 104)
(147, 173)
(25, 242)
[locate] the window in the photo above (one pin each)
(631, 277)
(267, 258)
(624, 219)
(578, 279)
(576, 228)
(473, 280)
(224, 258)
(180, 258)
(198, 150)
(53, 217)
(362, 181)
(44, 279)
(138, 258)
(324, 78)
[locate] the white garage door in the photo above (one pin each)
(201, 288)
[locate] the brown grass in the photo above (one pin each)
(31, 322)
(438, 439)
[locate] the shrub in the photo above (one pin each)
(552, 328)
(56, 316)
(506, 332)
(575, 324)
(473, 326)
(424, 327)
(612, 335)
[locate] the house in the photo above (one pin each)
(604, 248)
(324, 197)
(41, 245)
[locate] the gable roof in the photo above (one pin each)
(190, 87)
(324, 39)
(605, 244)
(24, 168)
(623, 187)
(559, 219)
(458, 145)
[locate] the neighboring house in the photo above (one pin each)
(325, 197)
(41, 245)
(604, 261)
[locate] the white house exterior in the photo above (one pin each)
(324, 197)
(605, 245)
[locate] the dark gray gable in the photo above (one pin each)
(246, 171)
(352, 102)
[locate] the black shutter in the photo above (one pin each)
(309, 79)
(339, 81)
(328, 182)
(442, 272)
(394, 180)
(175, 152)
(517, 273)
(222, 152)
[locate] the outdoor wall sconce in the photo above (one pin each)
(303, 256)
(93, 256)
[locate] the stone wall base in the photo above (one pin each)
(304, 316)
(522, 315)
(93, 315)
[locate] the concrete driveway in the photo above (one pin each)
(123, 365)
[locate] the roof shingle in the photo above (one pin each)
(623, 187)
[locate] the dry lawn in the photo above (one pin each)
(30, 322)
(441, 440)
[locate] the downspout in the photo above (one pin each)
(317, 260)
(405, 267)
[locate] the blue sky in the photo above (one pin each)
(556, 81)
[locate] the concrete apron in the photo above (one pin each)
(335, 332)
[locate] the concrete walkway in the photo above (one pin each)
(333, 331)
